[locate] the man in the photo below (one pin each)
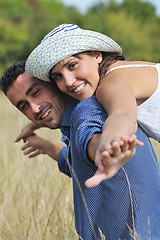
(126, 201)
(41, 103)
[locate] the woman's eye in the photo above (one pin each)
(56, 77)
(71, 66)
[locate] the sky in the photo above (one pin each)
(82, 5)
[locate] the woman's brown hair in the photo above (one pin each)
(108, 59)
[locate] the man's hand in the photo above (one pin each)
(117, 149)
(27, 131)
(109, 162)
(36, 145)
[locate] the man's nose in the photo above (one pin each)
(35, 107)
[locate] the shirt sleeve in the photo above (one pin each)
(87, 119)
(62, 161)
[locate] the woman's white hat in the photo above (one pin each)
(62, 42)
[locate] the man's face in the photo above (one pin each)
(38, 100)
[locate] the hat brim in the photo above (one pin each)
(55, 49)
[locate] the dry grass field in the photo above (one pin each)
(35, 198)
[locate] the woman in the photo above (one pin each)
(83, 63)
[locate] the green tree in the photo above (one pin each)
(133, 24)
(14, 30)
(23, 24)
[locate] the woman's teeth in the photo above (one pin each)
(79, 88)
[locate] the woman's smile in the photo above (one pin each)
(79, 88)
(78, 76)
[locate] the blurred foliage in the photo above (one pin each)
(132, 23)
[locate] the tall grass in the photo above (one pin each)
(35, 198)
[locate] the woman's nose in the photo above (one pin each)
(69, 79)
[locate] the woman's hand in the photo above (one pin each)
(109, 161)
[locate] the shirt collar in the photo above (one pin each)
(68, 112)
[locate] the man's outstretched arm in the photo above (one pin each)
(36, 145)
(110, 163)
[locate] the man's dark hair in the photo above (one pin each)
(11, 74)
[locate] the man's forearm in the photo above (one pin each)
(92, 146)
(54, 150)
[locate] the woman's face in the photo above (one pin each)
(78, 75)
